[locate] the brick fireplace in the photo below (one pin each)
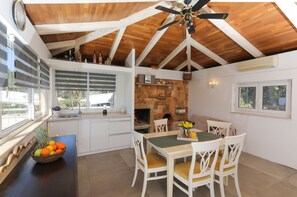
(162, 98)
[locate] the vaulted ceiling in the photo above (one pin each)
(252, 29)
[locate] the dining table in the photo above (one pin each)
(167, 144)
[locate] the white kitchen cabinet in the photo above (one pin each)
(119, 132)
(65, 127)
(99, 134)
(83, 136)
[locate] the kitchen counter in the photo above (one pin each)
(91, 116)
(58, 178)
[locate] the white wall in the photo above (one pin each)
(29, 36)
(274, 139)
(160, 73)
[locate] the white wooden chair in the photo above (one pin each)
(148, 163)
(161, 125)
(200, 171)
(218, 128)
(228, 163)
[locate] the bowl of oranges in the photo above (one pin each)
(52, 152)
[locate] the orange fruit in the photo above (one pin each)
(58, 150)
(45, 151)
(61, 145)
(51, 142)
(54, 147)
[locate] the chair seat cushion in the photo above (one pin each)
(217, 168)
(182, 169)
(154, 160)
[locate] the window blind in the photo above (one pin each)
(44, 75)
(69, 80)
(102, 82)
(3, 56)
(26, 67)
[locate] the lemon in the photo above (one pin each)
(50, 147)
(52, 152)
(193, 135)
(51, 142)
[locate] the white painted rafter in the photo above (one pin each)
(208, 52)
(154, 40)
(195, 65)
(234, 35)
(47, 29)
(116, 42)
(145, 13)
(182, 65)
(178, 49)
(58, 45)
(290, 10)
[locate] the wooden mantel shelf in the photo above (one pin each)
(150, 84)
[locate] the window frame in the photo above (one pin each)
(259, 98)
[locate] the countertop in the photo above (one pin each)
(58, 178)
(109, 115)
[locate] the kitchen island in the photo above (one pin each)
(58, 178)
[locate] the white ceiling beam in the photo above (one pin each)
(178, 49)
(234, 35)
(197, 66)
(56, 52)
(290, 10)
(61, 28)
(154, 40)
(182, 65)
(145, 13)
(94, 35)
(188, 40)
(116, 43)
(208, 52)
(62, 44)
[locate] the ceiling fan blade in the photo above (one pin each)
(167, 25)
(213, 16)
(167, 10)
(199, 5)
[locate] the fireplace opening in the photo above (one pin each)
(143, 119)
(169, 117)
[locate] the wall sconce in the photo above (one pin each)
(213, 83)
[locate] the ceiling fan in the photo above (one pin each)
(187, 12)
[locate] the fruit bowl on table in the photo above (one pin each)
(47, 158)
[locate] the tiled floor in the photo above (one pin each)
(110, 175)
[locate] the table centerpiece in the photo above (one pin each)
(186, 133)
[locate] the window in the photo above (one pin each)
(23, 84)
(15, 106)
(89, 90)
(266, 98)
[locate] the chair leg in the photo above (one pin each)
(185, 159)
(135, 175)
(144, 184)
(211, 188)
(222, 186)
(237, 184)
(190, 192)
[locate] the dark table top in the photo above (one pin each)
(32, 179)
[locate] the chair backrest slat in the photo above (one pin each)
(137, 140)
(218, 128)
(207, 153)
(232, 151)
(161, 125)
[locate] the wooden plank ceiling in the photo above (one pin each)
(252, 29)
